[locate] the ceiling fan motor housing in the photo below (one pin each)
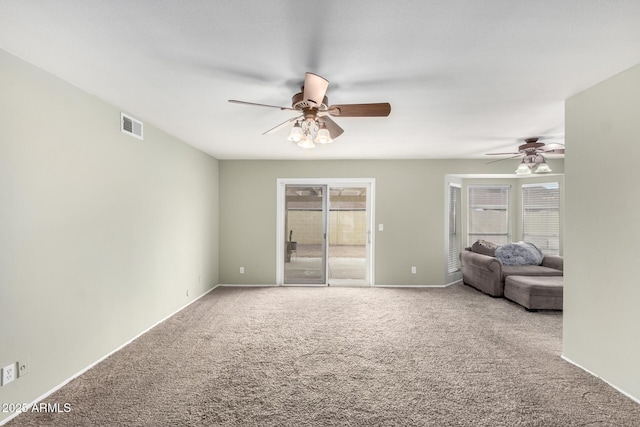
(530, 147)
(299, 103)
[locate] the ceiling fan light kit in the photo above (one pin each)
(302, 133)
(535, 163)
(315, 126)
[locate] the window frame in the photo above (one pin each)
(506, 188)
(454, 244)
(555, 235)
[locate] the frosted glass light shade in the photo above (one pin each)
(323, 136)
(306, 143)
(523, 169)
(543, 168)
(296, 133)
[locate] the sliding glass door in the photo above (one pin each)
(324, 232)
(348, 235)
(305, 238)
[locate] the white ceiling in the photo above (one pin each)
(463, 77)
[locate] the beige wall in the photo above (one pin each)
(409, 201)
(101, 233)
(601, 314)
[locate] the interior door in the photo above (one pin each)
(305, 238)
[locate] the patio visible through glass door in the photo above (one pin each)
(348, 236)
(305, 239)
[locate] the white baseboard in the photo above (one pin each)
(238, 285)
(635, 399)
(248, 285)
(76, 375)
(414, 286)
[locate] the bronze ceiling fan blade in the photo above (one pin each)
(315, 88)
(281, 125)
(235, 101)
(381, 109)
(506, 158)
(554, 151)
(554, 146)
(333, 128)
(501, 154)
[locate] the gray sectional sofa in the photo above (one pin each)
(487, 273)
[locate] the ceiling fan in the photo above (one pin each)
(533, 159)
(314, 107)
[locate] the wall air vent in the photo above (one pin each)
(131, 126)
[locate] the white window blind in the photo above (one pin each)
(454, 229)
(488, 213)
(541, 216)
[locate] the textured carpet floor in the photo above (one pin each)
(343, 357)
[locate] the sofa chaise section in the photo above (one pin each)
(535, 292)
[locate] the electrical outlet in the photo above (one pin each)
(241, 270)
(8, 373)
(23, 367)
(413, 270)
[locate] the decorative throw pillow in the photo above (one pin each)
(484, 247)
(521, 253)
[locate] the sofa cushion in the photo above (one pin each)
(529, 270)
(484, 247)
(521, 253)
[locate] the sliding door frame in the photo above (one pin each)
(329, 182)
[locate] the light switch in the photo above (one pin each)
(380, 227)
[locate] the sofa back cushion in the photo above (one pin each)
(528, 270)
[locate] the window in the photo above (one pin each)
(454, 227)
(488, 213)
(541, 216)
